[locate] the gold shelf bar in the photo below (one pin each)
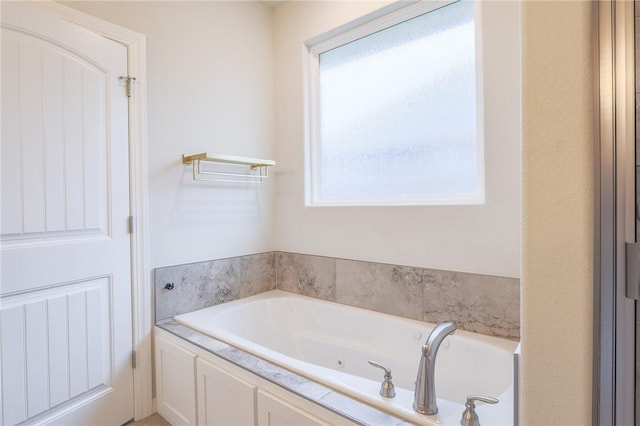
(229, 159)
(253, 163)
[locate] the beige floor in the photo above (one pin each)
(153, 420)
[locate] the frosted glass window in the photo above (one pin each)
(397, 115)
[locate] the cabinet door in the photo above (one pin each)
(175, 383)
(273, 411)
(223, 399)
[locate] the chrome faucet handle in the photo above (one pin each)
(387, 389)
(470, 417)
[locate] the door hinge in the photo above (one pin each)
(134, 361)
(128, 81)
(632, 276)
(131, 224)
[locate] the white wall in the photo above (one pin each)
(210, 89)
(558, 223)
(481, 239)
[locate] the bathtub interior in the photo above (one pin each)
(343, 339)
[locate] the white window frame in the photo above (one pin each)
(379, 20)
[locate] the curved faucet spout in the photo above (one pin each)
(442, 330)
(424, 400)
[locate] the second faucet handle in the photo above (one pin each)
(387, 389)
(469, 417)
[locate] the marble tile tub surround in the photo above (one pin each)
(203, 284)
(479, 303)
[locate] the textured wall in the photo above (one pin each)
(558, 208)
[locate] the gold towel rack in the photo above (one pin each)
(257, 173)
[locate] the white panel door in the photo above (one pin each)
(65, 289)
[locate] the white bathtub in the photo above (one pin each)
(331, 343)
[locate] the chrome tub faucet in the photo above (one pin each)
(424, 400)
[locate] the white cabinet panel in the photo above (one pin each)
(223, 399)
(273, 411)
(175, 383)
(190, 381)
